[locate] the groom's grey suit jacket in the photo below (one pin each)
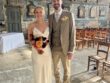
(66, 26)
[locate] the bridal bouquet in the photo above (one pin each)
(41, 42)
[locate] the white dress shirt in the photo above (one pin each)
(58, 14)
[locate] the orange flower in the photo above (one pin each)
(39, 43)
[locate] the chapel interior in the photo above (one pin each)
(91, 63)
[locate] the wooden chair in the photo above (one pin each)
(92, 37)
(89, 37)
(101, 35)
(79, 39)
(105, 67)
(94, 60)
(97, 32)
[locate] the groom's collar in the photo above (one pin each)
(58, 12)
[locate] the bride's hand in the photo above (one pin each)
(40, 50)
(32, 42)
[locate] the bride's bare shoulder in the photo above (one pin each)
(31, 25)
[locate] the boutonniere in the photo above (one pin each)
(64, 18)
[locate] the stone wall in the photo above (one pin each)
(95, 13)
(88, 18)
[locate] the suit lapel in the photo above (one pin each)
(60, 21)
(61, 17)
(61, 28)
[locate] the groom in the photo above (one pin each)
(62, 40)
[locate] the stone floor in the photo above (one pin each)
(16, 67)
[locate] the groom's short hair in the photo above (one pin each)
(59, 0)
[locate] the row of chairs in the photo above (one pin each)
(90, 37)
(100, 59)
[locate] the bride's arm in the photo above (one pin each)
(30, 33)
(30, 38)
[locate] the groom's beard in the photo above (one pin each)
(57, 6)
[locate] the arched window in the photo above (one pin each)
(30, 9)
(102, 11)
(81, 12)
(93, 12)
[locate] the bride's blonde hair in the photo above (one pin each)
(39, 7)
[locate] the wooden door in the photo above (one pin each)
(13, 19)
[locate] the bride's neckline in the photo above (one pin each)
(41, 31)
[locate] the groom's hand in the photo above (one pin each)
(70, 56)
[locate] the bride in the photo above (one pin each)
(38, 32)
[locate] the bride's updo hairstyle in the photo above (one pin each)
(39, 7)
